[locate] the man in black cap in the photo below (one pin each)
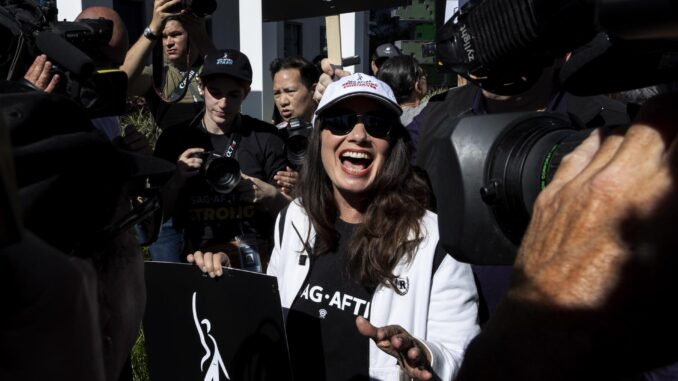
(381, 54)
(217, 219)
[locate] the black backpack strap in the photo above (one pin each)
(281, 223)
(438, 258)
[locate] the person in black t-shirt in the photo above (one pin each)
(212, 220)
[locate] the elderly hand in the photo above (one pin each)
(286, 180)
(329, 75)
(210, 263)
(413, 357)
(611, 205)
(40, 75)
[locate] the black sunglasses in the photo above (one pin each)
(376, 125)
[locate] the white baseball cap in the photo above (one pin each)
(358, 85)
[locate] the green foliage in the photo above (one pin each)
(140, 359)
(140, 117)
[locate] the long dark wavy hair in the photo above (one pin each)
(391, 226)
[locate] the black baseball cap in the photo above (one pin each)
(232, 63)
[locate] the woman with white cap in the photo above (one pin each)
(357, 255)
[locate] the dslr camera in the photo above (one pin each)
(221, 173)
(298, 132)
(200, 8)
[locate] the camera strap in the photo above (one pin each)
(232, 149)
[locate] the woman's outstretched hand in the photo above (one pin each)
(413, 357)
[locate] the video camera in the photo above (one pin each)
(491, 168)
(298, 132)
(221, 172)
(28, 28)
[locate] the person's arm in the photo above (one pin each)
(412, 355)
(187, 166)
(452, 321)
(595, 275)
(138, 54)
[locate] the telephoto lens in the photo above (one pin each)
(222, 173)
(298, 132)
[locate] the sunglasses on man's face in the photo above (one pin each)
(340, 124)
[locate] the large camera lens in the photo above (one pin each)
(296, 150)
(297, 141)
(522, 162)
(486, 172)
(222, 173)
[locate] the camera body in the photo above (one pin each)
(298, 132)
(200, 8)
(220, 172)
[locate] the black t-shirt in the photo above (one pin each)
(323, 339)
(211, 219)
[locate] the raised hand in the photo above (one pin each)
(413, 357)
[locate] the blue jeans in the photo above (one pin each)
(169, 245)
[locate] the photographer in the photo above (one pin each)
(294, 81)
(211, 219)
(185, 41)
